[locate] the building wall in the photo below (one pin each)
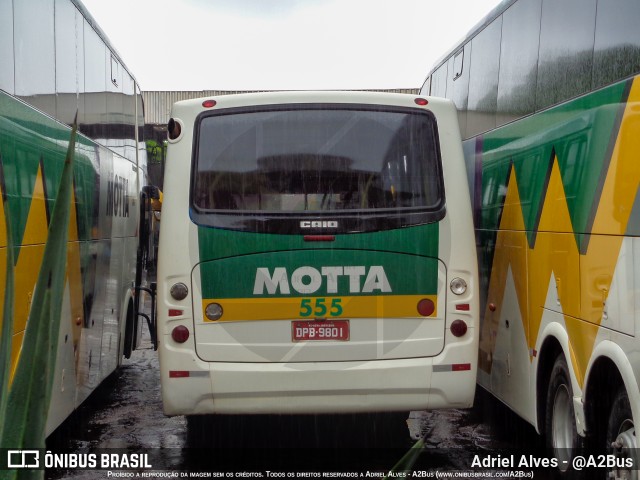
(158, 103)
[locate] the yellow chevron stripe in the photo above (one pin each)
(28, 265)
(510, 250)
(583, 281)
(29, 262)
(31, 253)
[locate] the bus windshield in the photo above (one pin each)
(316, 158)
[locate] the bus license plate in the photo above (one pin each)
(320, 330)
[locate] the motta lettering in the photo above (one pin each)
(117, 198)
(319, 224)
(308, 280)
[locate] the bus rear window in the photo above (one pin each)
(316, 160)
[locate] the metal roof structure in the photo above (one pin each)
(157, 104)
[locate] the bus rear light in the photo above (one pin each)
(463, 307)
(319, 238)
(458, 328)
(180, 334)
(209, 103)
(460, 367)
(454, 367)
(175, 312)
(426, 307)
(178, 373)
(213, 311)
(421, 101)
(179, 291)
(458, 286)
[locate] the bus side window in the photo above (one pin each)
(426, 88)
(458, 64)
(565, 72)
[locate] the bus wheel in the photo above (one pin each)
(560, 427)
(621, 437)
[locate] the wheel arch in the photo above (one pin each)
(609, 370)
(127, 326)
(547, 354)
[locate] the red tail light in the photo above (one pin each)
(426, 307)
(180, 334)
(461, 367)
(458, 328)
(319, 238)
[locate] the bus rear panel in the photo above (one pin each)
(316, 255)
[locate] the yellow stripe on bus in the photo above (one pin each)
(286, 308)
(583, 281)
(29, 261)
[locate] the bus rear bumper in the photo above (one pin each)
(328, 387)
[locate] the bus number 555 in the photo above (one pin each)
(321, 307)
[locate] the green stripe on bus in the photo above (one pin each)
(355, 273)
(235, 275)
(216, 243)
(579, 134)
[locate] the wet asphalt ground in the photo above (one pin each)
(126, 413)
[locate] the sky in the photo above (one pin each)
(284, 44)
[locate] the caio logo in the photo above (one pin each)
(319, 224)
(23, 459)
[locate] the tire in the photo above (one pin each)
(621, 431)
(129, 332)
(561, 435)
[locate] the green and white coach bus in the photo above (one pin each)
(56, 64)
(316, 255)
(548, 97)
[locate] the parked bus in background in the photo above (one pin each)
(56, 63)
(316, 256)
(548, 96)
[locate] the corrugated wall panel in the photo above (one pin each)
(157, 104)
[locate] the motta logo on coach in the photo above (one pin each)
(307, 280)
